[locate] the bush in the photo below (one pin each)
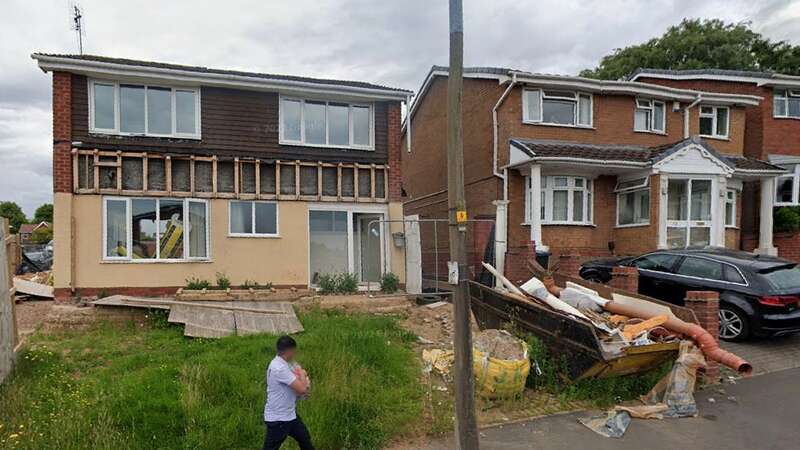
(347, 283)
(326, 284)
(787, 218)
(197, 284)
(251, 284)
(223, 282)
(390, 283)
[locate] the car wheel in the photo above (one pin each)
(594, 277)
(733, 324)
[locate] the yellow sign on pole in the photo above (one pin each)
(461, 216)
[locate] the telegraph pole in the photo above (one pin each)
(466, 425)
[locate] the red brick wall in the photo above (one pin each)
(705, 305)
(395, 166)
(625, 278)
(788, 244)
(62, 132)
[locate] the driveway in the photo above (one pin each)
(761, 414)
(768, 355)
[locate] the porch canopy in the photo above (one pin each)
(691, 173)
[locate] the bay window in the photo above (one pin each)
(633, 202)
(134, 109)
(714, 121)
(786, 103)
(566, 108)
(253, 219)
(564, 199)
(786, 188)
(326, 123)
(649, 116)
(153, 229)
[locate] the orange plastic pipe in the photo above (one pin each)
(708, 345)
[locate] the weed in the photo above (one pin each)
(251, 284)
(223, 282)
(102, 294)
(390, 283)
(197, 284)
(327, 284)
(158, 318)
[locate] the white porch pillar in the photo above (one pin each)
(663, 189)
(536, 206)
(718, 216)
(500, 237)
(765, 246)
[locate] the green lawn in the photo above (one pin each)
(147, 386)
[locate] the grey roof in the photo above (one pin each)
(632, 153)
(701, 72)
(476, 69)
(201, 70)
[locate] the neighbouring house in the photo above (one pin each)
(771, 131)
(165, 172)
(26, 231)
(585, 168)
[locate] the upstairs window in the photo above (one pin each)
(134, 109)
(714, 121)
(649, 116)
(565, 108)
(326, 124)
(786, 103)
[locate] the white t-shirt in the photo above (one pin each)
(281, 398)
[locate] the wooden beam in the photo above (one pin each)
(168, 173)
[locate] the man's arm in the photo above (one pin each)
(301, 383)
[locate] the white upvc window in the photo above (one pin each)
(555, 107)
(650, 116)
(786, 188)
(141, 229)
(565, 200)
(633, 202)
(132, 109)
(786, 103)
(320, 123)
(714, 121)
(252, 219)
(730, 208)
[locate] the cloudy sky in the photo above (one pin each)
(390, 42)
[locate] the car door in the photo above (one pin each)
(656, 273)
(696, 273)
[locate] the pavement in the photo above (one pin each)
(768, 355)
(757, 413)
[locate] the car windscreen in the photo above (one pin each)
(783, 278)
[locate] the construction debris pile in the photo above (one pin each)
(36, 284)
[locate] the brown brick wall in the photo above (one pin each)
(393, 143)
(705, 305)
(638, 240)
(62, 132)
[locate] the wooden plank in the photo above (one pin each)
(24, 286)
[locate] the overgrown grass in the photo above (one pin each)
(601, 392)
(136, 387)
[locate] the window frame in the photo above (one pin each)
(129, 232)
(787, 94)
(548, 187)
(795, 176)
(650, 107)
(643, 186)
(253, 234)
(714, 116)
(117, 130)
(732, 201)
(725, 267)
(351, 124)
(542, 97)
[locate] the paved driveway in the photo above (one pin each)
(768, 355)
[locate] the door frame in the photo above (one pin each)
(375, 219)
(714, 225)
(350, 208)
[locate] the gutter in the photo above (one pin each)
(407, 124)
(496, 132)
(686, 114)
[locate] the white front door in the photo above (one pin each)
(689, 207)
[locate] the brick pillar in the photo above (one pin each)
(517, 262)
(569, 262)
(705, 305)
(625, 278)
(393, 141)
(62, 132)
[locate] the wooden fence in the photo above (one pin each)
(8, 323)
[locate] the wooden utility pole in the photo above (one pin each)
(466, 425)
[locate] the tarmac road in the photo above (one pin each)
(763, 415)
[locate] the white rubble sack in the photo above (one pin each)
(537, 289)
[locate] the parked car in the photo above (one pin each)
(759, 294)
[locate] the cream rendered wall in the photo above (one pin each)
(398, 255)
(62, 247)
(281, 261)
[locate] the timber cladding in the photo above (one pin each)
(234, 122)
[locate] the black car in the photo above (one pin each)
(759, 294)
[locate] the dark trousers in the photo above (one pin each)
(277, 432)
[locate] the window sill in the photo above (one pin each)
(659, 133)
(337, 147)
(716, 138)
(731, 227)
(143, 135)
(633, 225)
(568, 224)
(156, 261)
(785, 117)
(255, 236)
(558, 125)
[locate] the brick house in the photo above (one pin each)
(26, 231)
(162, 172)
(772, 127)
(586, 168)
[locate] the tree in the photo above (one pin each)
(702, 44)
(14, 214)
(41, 235)
(44, 213)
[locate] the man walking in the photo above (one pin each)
(286, 381)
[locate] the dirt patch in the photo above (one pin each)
(499, 344)
(31, 315)
(358, 303)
